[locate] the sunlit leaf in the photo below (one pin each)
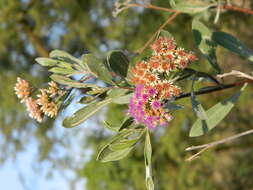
(214, 115)
(116, 92)
(86, 99)
(84, 113)
(233, 44)
(147, 158)
(109, 155)
(97, 68)
(63, 71)
(123, 99)
(106, 154)
(127, 143)
(111, 127)
(47, 62)
(69, 82)
(191, 6)
(62, 55)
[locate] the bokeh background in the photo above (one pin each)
(48, 156)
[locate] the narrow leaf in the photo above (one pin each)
(109, 155)
(84, 113)
(46, 62)
(203, 39)
(63, 71)
(128, 121)
(191, 6)
(233, 44)
(214, 115)
(147, 158)
(123, 99)
(127, 142)
(62, 55)
(106, 154)
(69, 82)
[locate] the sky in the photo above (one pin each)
(26, 168)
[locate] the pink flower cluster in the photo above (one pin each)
(145, 108)
(152, 85)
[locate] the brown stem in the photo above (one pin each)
(169, 20)
(209, 145)
(226, 7)
(238, 9)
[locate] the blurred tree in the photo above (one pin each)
(31, 28)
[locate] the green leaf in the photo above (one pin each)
(214, 115)
(126, 143)
(118, 62)
(97, 68)
(203, 39)
(233, 44)
(69, 82)
(116, 92)
(123, 99)
(84, 113)
(63, 71)
(191, 6)
(62, 55)
(165, 33)
(147, 149)
(196, 106)
(106, 154)
(111, 127)
(86, 99)
(147, 158)
(46, 62)
(128, 121)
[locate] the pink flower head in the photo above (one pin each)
(151, 91)
(145, 97)
(155, 104)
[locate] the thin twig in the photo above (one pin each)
(169, 20)
(236, 74)
(150, 6)
(225, 7)
(213, 89)
(209, 145)
(238, 9)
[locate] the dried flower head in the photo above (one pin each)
(22, 89)
(34, 109)
(53, 89)
(48, 107)
(51, 109)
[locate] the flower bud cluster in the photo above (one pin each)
(44, 104)
(152, 85)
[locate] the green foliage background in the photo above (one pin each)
(32, 28)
